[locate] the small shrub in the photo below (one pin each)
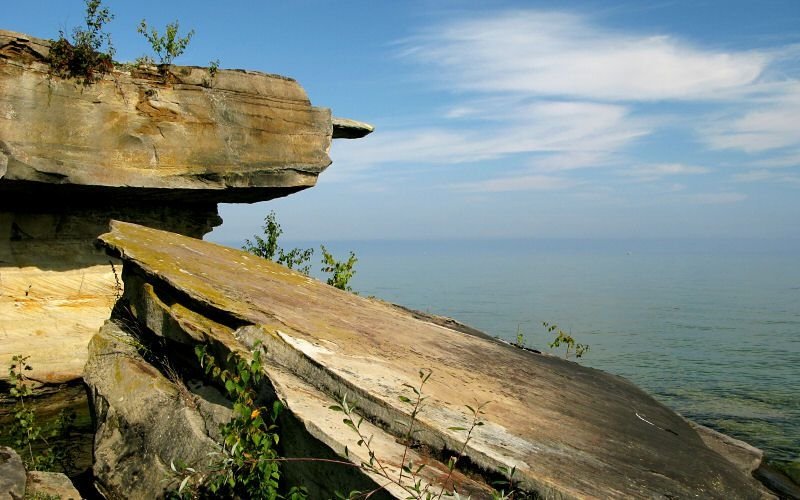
(30, 439)
(409, 476)
(82, 57)
(341, 272)
(213, 68)
(167, 46)
(520, 338)
(566, 339)
(299, 258)
(296, 258)
(249, 464)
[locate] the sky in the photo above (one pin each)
(513, 119)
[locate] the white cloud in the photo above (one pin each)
(543, 93)
(782, 161)
(767, 125)
(762, 175)
(723, 198)
(517, 183)
(658, 171)
(562, 54)
(580, 130)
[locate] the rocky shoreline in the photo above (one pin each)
(141, 162)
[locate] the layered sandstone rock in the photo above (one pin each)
(570, 431)
(138, 145)
(240, 136)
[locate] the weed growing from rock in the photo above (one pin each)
(341, 272)
(249, 464)
(167, 46)
(213, 69)
(296, 258)
(409, 479)
(83, 57)
(562, 338)
(31, 440)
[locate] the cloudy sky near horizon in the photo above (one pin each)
(516, 119)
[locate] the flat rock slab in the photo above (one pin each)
(570, 431)
(236, 136)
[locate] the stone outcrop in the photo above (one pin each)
(239, 136)
(155, 149)
(16, 484)
(344, 128)
(50, 485)
(570, 431)
(146, 421)
(12, 475)
(57, 288)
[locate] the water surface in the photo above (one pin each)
(710, 328)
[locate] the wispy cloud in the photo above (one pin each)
(764, 126)
(566, 55)
(565, 103)
(722, 198)
(767, 175)
(517, 183)
(580, 129)
(646, 173)
(791, 159)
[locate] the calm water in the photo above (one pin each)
(712, 329)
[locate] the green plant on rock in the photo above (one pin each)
(296, 258)
(30, 439)
(249, 463)
(565, 339)
(213, 69)
(83, 57)
(299, 259)
(520, 338)
(409, 478)
(167, 46)
(341, 272)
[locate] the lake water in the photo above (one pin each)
(710, 328)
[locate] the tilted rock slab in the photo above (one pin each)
(570, 431)
(236, 136)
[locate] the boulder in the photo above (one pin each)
(12, 475)
(146, 421)
(51, 485)
(570, 431)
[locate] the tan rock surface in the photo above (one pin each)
(243, 136)
(145, 420)
(57, 288)
(571, 431)
(50, 485)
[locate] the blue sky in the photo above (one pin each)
(515, 119)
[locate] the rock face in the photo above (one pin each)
(12, 475)
(57, 288)
(146, 421)
(50, 485)
(237, 137)
(570, 431)
(159, 150)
